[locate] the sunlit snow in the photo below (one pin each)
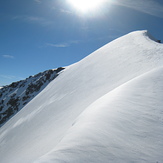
(105, 108)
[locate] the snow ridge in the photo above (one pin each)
(105, 108)
(118, 127)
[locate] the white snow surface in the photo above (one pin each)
(105, 108)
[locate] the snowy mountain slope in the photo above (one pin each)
(125, 125)
(15, 96)
(41, 125)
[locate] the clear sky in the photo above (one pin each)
(37, 35)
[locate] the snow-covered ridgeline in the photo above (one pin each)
(124, 125)
(50, 125)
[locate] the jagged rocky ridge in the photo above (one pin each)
(15, 96)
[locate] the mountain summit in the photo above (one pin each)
(104, 108)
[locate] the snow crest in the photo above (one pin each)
(105, 108)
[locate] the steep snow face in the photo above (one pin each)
(41, 125)
(123, 126)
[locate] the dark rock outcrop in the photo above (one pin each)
(15, 96)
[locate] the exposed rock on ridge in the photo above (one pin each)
(15, 96)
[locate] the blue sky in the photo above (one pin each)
(37, 35)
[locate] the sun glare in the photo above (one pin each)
(85, 5)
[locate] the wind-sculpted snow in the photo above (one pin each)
(72, 121)
(123, 126)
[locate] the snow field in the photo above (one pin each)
(104, 108)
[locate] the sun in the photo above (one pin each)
(85, 5)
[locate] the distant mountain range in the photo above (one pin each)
(15, 96)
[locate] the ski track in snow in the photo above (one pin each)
(105, 108)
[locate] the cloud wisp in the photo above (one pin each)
(8, 76)
(8, 56)
(63, 45)
(33, 19)
(38, 1)
(65, 11)
(151, 7)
